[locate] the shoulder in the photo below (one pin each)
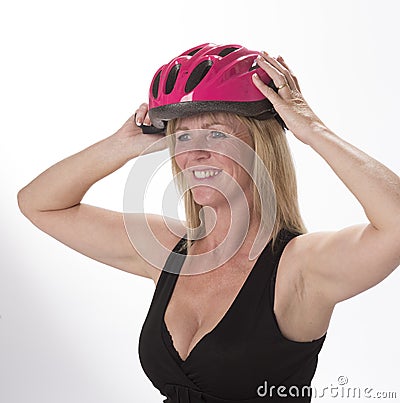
(292, 250)
(169, 234)
(298, 251)
(300, 314)
(290, 245)
(297, 247)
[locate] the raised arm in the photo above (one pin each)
(339, 265)
(52, 201)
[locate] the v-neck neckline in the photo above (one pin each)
(220, 322)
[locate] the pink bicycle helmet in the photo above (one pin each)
(209, 78)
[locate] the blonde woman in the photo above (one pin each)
(244, 294)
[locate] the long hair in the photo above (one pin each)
(270, 144)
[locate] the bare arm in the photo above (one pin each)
(52, 201)
(338, 265)
(356, 258)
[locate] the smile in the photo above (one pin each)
(206, 173)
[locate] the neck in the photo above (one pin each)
(227, 228)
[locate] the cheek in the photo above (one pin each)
(180, 160)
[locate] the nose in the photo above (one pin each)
(192, 157)
(197, 148)
(199, 154)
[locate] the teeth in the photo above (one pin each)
(205, 174)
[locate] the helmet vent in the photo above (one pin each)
(193, 52)
(226, 51)
(171, 79)
(156, 84)
(198, 73)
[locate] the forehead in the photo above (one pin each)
(206, 120)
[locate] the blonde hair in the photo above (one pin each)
(270, 144)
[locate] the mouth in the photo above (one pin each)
(206, 173)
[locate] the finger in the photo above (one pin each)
(283, 63)
(279, 67)
(269, 93)
(141, 113)
(278, 77)
(146, 120)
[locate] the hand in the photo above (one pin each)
(288, 102)
(132, 134)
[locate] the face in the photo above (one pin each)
(213, 155)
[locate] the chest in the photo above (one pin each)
(224, 336)
(198, 305)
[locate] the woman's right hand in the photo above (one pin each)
(133, 137)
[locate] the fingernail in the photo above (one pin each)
(264, 53)
(138, 122)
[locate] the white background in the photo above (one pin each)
(71, 73)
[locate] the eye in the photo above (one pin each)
(183, 137)
(217, 135)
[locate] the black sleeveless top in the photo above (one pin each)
(245, 358)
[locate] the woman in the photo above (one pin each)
(247, 320)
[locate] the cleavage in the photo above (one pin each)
(198, 306)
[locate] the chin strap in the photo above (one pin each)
(150, 129)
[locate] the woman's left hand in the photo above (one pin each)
(288, 101)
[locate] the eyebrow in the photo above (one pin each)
(204, 126)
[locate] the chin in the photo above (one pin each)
(206, 196)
